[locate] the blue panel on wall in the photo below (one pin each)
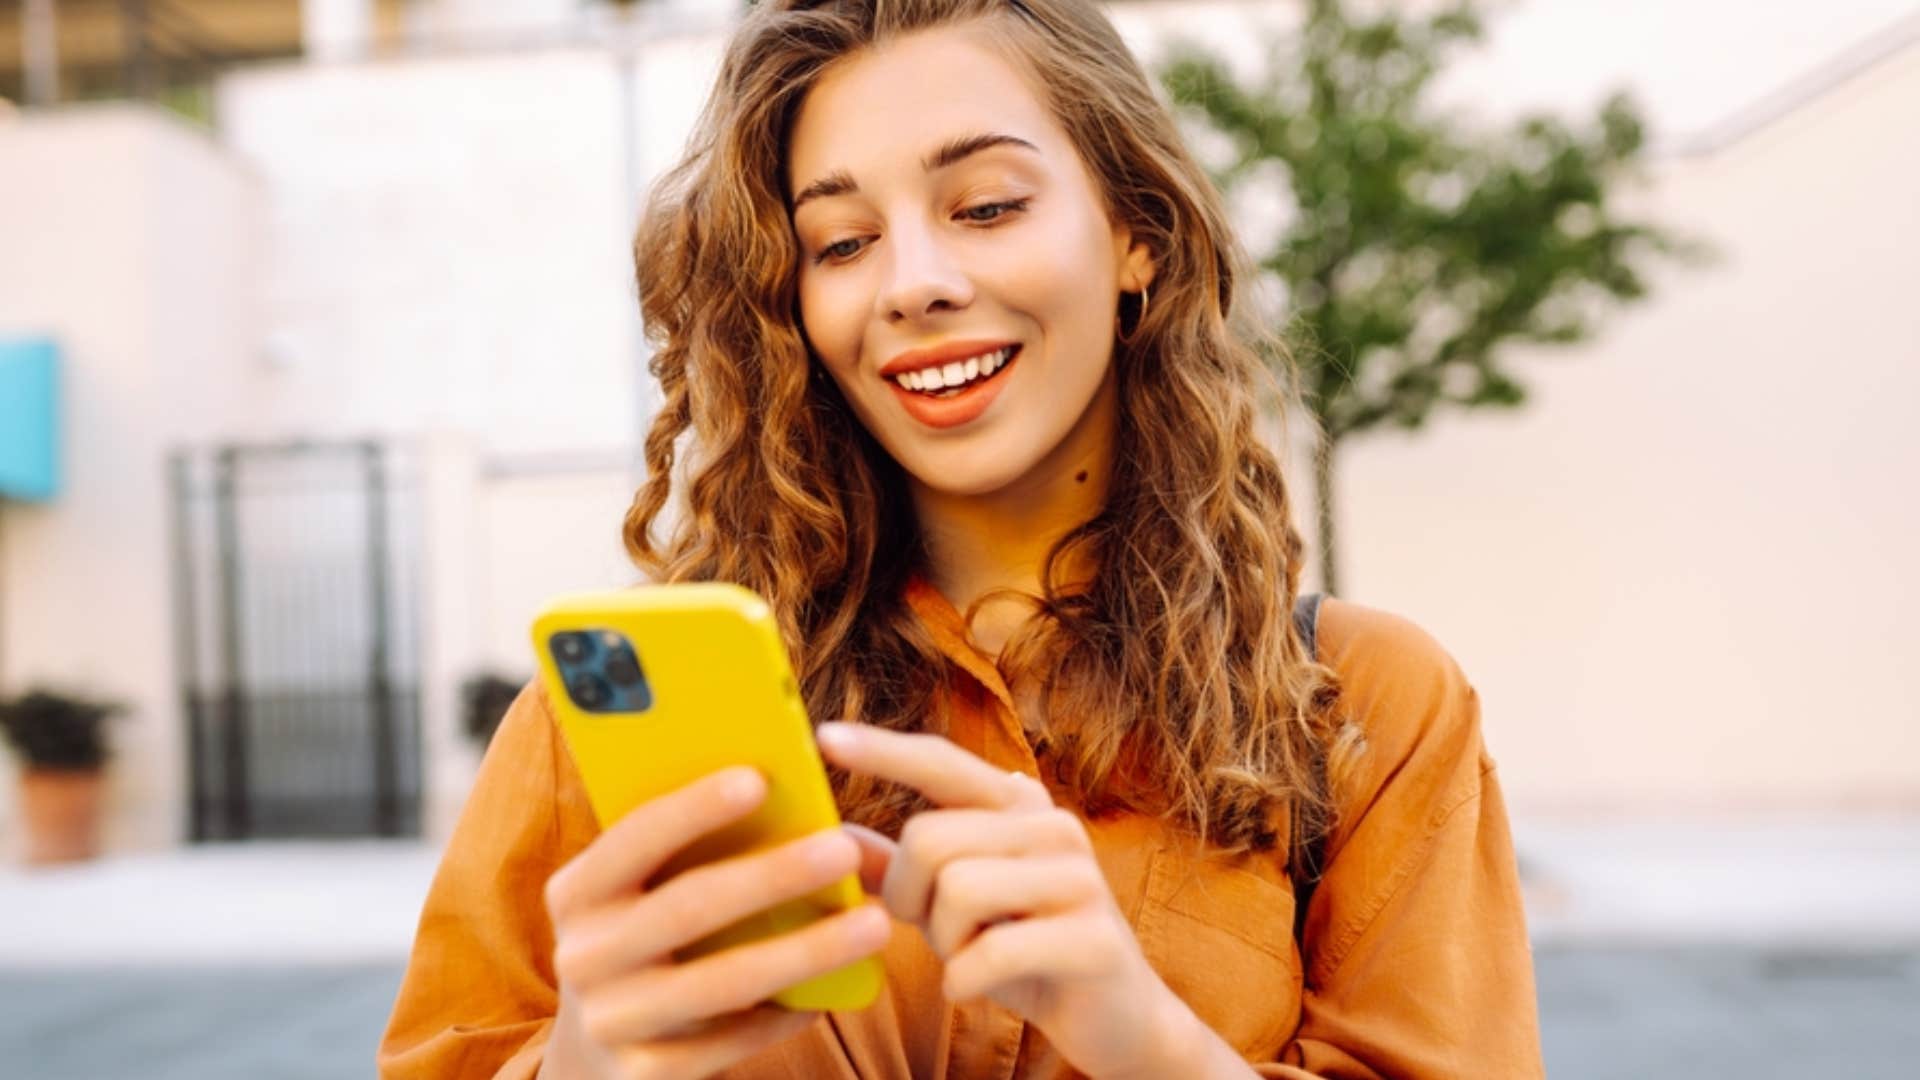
(29, 419)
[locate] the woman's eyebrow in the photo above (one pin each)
(839, 182)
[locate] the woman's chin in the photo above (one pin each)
(967, 479)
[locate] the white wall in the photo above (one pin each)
(1695, 66)
(1683, 575)
(546, 532)
(130, 240)
(505, 21)
(448, 243)
(500, 536)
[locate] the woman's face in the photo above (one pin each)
(959, 274)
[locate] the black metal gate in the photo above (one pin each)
(299, 672)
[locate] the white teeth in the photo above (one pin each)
(956, 373)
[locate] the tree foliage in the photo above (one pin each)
(1416, 251)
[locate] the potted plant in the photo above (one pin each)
(62, 746)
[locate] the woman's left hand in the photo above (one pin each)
(1005, 887)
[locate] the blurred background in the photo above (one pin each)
(320, 369)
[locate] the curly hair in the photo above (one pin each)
(1174, 682)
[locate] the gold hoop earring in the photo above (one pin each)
(1119, 323)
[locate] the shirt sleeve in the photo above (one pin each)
(479, 993)
(1417, 960)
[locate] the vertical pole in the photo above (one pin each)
(233, 712)
(137, 60)
(186, 634)
(1323, 493)
(40, 52)
(380, 683)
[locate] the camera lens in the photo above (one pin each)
(589, 691)
(572, 647)
(623, 669)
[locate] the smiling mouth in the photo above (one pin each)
(953, 379)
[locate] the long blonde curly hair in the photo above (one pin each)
(1174, 681)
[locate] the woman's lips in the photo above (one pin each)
(960, 408)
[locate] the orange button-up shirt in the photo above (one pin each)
(1415, 962)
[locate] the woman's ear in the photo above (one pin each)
(1135, 259)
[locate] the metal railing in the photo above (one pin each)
(295, 582)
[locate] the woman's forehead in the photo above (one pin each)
(892, 108)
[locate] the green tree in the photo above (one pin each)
(1416, 251)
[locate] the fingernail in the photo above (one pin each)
(835, 735)
(742, 786)
(868, 926)
(829, 850)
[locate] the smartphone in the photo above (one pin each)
(657, 686)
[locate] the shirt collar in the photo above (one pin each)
(949, 632)
(996, 736)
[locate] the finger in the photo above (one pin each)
(973, 894)
(935, 838)
(634, 847)
(663, 1000)
(600, 945)
(720, 1044)
(1057, 947)
(931, 765)
(876, 854)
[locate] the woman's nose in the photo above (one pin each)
(922, 277)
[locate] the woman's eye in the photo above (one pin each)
(984, 214)
(987, 212)
(845, 249)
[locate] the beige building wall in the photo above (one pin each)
(130, 239)
(500, 536)
(1684, 575)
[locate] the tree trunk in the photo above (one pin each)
(1323, 448)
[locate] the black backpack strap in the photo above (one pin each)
(1306, 620)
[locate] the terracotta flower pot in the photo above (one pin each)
(61, 809)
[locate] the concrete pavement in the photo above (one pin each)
(1755, 950)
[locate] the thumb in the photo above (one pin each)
(876, 854)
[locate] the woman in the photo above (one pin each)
(944, 305)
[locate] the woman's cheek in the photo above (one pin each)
(834, 341)
(1060, 259)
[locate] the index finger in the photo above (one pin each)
(633, 848)
(930, 764)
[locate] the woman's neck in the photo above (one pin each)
(978, 543)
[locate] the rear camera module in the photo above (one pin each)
(622, 669)
(589, 691)
(601, 671)
(572, 647)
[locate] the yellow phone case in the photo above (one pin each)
(722, 694)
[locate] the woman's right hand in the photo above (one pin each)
(627, 1008)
